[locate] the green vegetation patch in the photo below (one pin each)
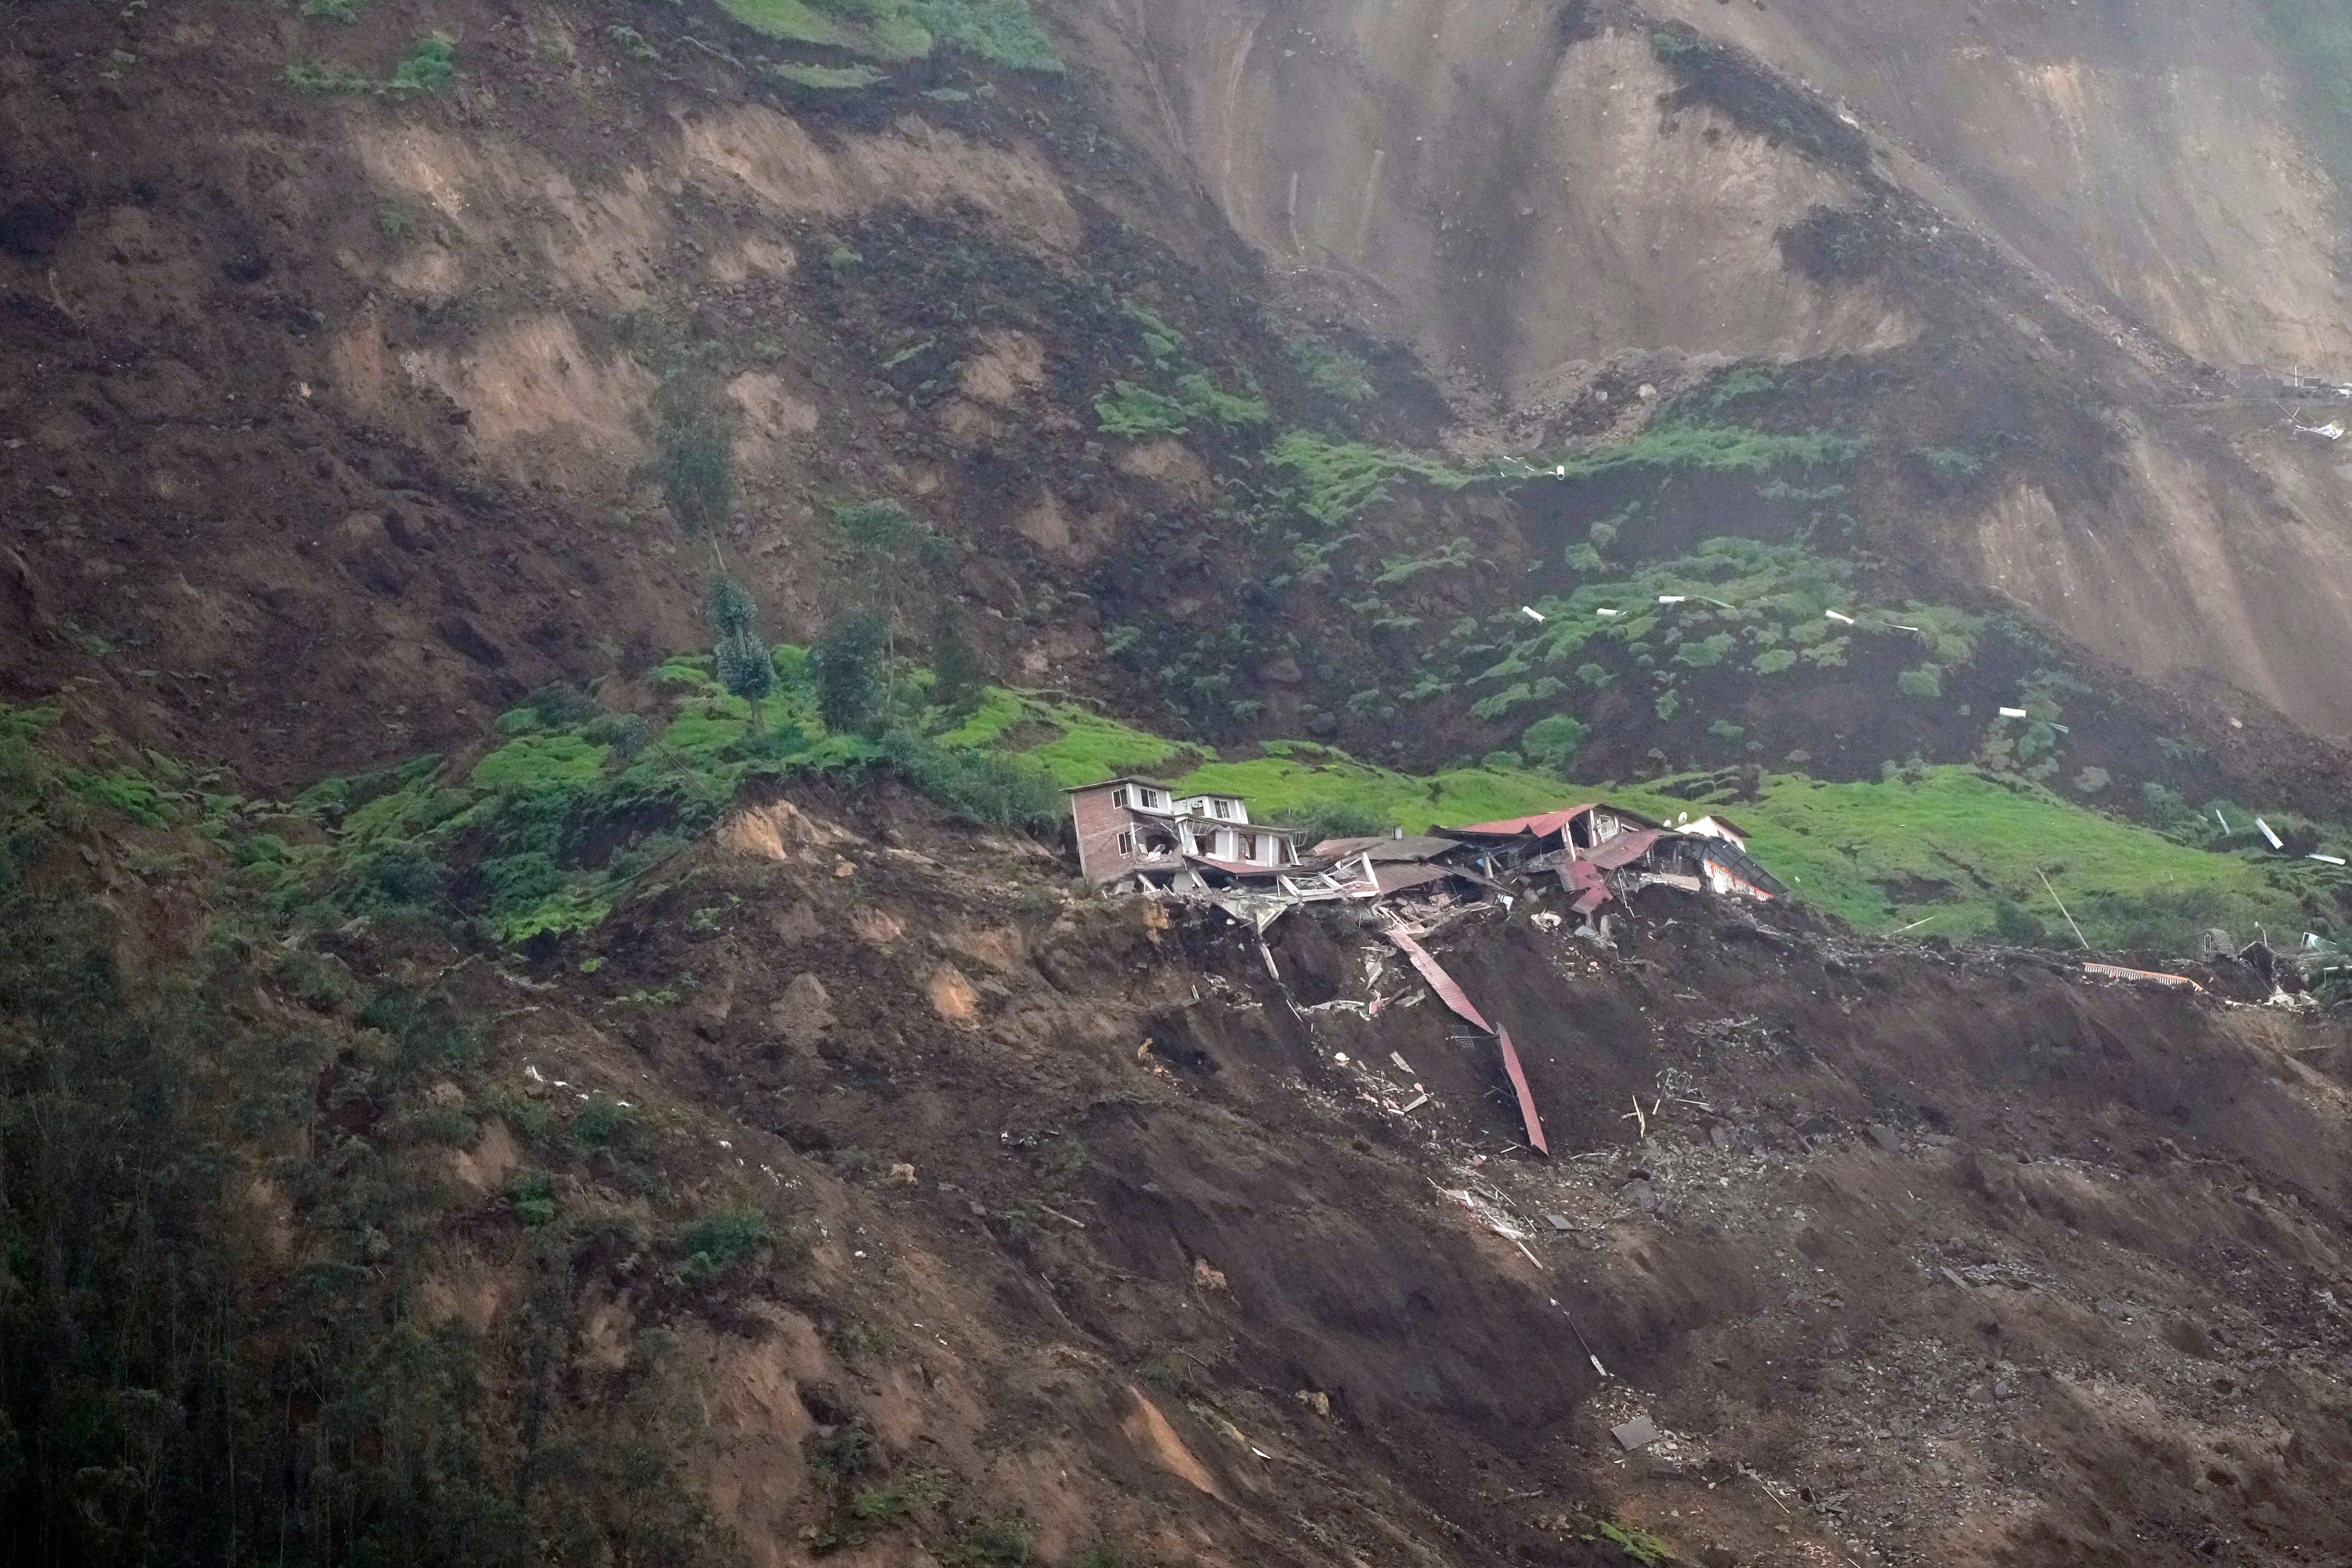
(1082, 747)
(1953, 847)
(1338, 479)
(1298, 779)
(1000, 32)
(1677, 443)
(1759, 607)
(430, 64)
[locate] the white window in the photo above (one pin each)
(1224, 809)
(1126, 843)
(1248, 846)
(1118, 796)
(1155, 799)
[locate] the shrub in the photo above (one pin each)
(1926, 681)
(718, 1243)
(904, 1495)
(1315, 821)
(1342, 377)
(1639, 1544)
(1134, 411)
(530, 1193)
(2013, 922)
(988, 1543)
(981, 787)
(1554, 742)
(428, 67)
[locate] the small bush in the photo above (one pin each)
(1315, 821)
(428, 67)
(1639, 1544)
(1926, 681)
(1554, 742)
(718, 1243)
(2013, 922)
(988, 1543)
(1134, 411)
(905, 1494)
(857, 1342)
(530, 1194)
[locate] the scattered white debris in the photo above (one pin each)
(2276, 842)
(1606, 612)
(2015, 713)
(2331, 860)
(1672, 598)
(1532, 613)
(1841, 619)
(531, 1071)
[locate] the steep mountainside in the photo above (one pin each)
(554, 554)
(1530, 192)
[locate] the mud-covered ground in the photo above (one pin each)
(1910, 1255)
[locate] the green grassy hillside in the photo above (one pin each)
(1949, 851)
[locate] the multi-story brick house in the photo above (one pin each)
(1138, 828)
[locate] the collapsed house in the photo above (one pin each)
(1597, 851)
(1136, 835)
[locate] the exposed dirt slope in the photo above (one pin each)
(1530, 191)
(1914, 1256)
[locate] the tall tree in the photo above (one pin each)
(894, 556)
(849, 664)
(743, 665)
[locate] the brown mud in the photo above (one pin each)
(1934, 1256)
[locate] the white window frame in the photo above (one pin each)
(1224, 810)
(1245, 847)
(1118, 797)
(1127, 842)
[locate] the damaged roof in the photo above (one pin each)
(1543, 826)
(1388, 847)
